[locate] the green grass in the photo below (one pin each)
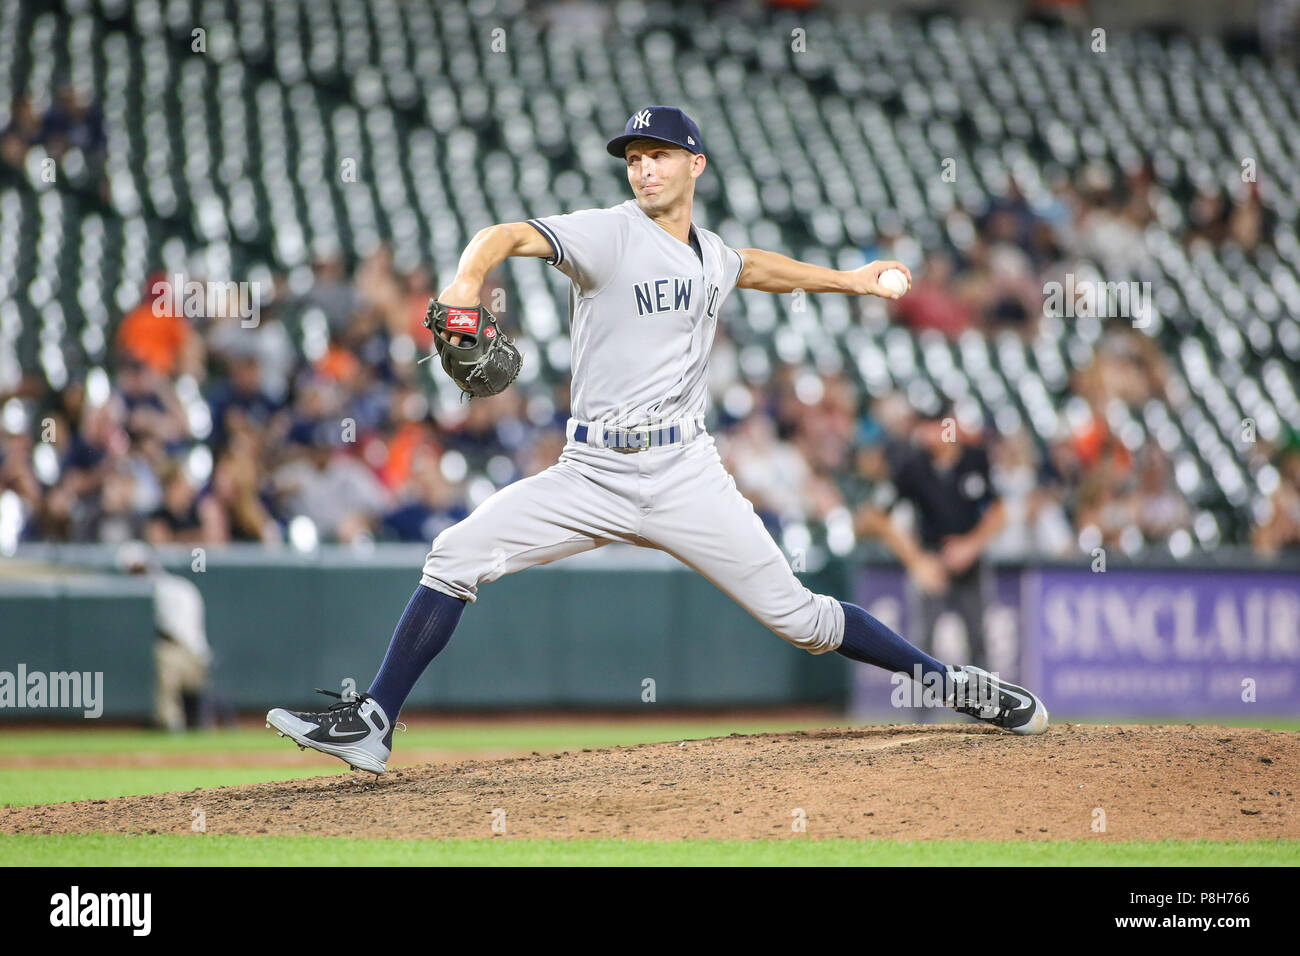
(202, 850)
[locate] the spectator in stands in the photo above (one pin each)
(1008, 292)
(543, 451)
(419, 290)
(1009, 219)
(826, 422)
(869, 492)
(157, 334)
(240, 509)
(1036, 521)
(341, 496)
(108, 512)
(267, 344)
(99, 440)
(1210, 215)
(406, 430)
(1103, 489)
(430, 503)
(150, 404)
(180, 520)
(1107, 234)
(22, 132)
(1249, 224)
(487, 431)
(332, 291)
(933, 302)
(73, 123)
(1158, 508)
(16, 473)
(770, 472)
(239, 402)
(382, 291)
(146, 460)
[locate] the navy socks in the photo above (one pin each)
(868, 641)
(431, 616)
(423, 631)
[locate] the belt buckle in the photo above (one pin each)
(632, 442)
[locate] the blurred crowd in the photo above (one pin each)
(833, 458)
(991, 270)
(208, 429)
(67, 129)
(1086, 489)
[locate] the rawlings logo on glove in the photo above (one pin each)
(462, 320)
(485, 362)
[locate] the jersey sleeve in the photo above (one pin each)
(586, 246)
(734, 265)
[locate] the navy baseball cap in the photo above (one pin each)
(665, 123)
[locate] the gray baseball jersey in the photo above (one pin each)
(644, 308)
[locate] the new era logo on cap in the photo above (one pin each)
(665, 123)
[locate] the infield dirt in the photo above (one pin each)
(897, 782)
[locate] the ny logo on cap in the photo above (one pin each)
(641, 120)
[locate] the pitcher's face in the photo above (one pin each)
(661, 175)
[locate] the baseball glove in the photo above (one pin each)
(485, 361)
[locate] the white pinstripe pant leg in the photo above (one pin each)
(698, 516)
(579, 503)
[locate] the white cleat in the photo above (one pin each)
(993, 700)
(356, 730)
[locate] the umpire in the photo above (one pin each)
(944, 473)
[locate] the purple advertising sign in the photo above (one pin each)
(1166, 643)
(1115, 644)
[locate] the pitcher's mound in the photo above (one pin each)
(910, 782)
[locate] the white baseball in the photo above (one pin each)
(893, 280)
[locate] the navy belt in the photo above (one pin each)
(628, 440)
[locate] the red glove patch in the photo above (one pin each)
(462, 320)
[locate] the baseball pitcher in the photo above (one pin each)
(647, 286)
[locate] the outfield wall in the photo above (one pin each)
(593, 630)
(586, 633)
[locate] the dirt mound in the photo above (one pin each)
(910, 782)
